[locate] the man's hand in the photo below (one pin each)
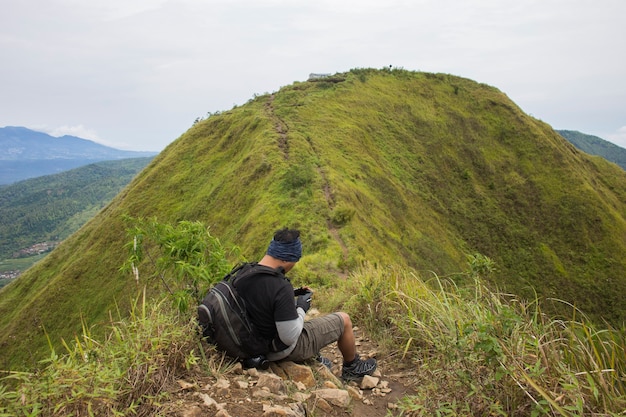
(304, 301)
(301, 291)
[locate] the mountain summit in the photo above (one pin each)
(381, 166)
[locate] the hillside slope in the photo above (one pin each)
(594, 145)
(385, 166)
(51, 207)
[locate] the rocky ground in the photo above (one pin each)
(296, 390)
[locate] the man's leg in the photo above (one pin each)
(316, 334)
(346, 342)
(322, 331)
(354, 368)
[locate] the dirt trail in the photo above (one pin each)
(248, 393)
(239, 393)
(282, 130)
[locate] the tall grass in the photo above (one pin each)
(470, 351)
(145, 349)
(128, 373)
(478, 352)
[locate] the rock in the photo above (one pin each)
(185, 385)
(208, 401)
(278, 370)
(272, 382)
(242, 384)
(301, 396)
(270, 386)
(194, 411)
(354, 393)
(264, 393)
(337, 397)
(299, 409)
(325, 374)
(237, 368)
(299, 373)
(329, 384)
(323, 405)
(378, 392)
(281, 411)
(213, 405)
(222, 383)
(369, 382)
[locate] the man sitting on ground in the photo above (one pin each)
(271, 307)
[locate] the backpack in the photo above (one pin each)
(224, 320)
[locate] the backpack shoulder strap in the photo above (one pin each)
(253, 268)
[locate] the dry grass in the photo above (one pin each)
(479, 352)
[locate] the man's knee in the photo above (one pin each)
(347, 323)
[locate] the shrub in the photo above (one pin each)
(185, 257)
(342, 214)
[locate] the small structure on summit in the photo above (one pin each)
(314, 76)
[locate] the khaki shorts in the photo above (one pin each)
(316, 334)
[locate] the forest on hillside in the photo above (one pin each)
(48, 209)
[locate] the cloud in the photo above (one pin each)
(141, 71)
(78, 131)
(618, 137)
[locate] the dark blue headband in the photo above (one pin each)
(290, 252)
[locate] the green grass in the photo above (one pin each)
(20, 264)
(127, 373)
(473, 352)
(388, 167)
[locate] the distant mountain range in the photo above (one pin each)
(594, 145)
(25, 153)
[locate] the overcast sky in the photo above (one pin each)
(135, 74)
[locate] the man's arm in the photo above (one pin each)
(289, 330)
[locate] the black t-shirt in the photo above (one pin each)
(269, 298)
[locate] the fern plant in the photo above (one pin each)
(185, 257)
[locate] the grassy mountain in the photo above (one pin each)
(26, 153)
(390, 166)
(50, 208)
(594, 145)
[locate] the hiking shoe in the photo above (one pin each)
(358, 369)
(324, 361)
